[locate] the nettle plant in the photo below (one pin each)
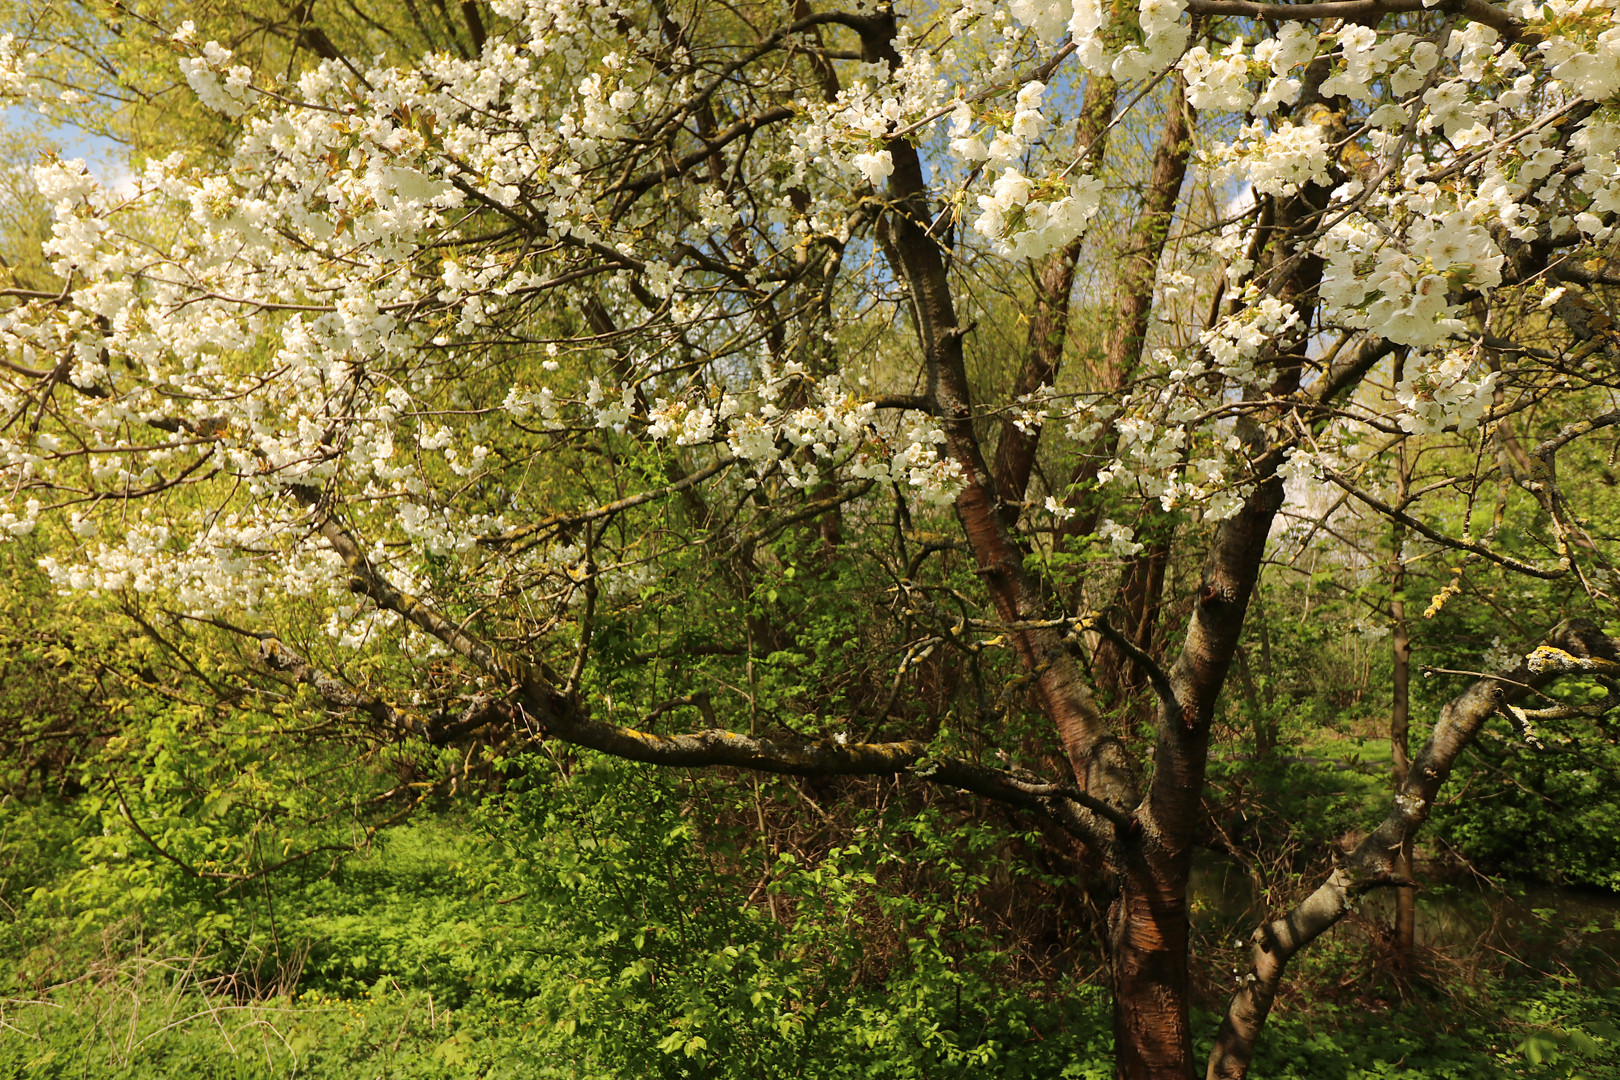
(484, 359)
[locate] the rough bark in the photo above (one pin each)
(1147, 944)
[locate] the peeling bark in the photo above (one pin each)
(1148, 931)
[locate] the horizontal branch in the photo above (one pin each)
(808, 510)
(746, 126)
(917, 402)
(445, 723)
(1479, 11)
(333, 690)
(1471, 546)
(1082, 814)
(26, 372)
(581, 517)
(1346, 372)
(1570, 432)
(565, 717)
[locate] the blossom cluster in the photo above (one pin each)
(409, 290)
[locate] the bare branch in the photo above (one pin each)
(581, 517)
(1366, 10)
(1150, 667)
(333, 690)
(694, 158)
(1471, 546)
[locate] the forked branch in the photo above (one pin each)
(1372, 864)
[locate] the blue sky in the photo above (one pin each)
(104, 157)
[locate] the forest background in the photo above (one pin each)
(196, 883)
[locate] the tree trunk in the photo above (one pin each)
(1148, 932)
(1141, 591)
(1148, 923)
(1371, 864)
(1400, 710)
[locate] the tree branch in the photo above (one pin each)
(1150, 667)
(565, 717)
(581, 517)
(746, 126)
(1479, 11)
(1439, 537)
(334, 691)
(1101, 764)
(1372, 863)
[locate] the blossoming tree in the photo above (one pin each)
(483, 357)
